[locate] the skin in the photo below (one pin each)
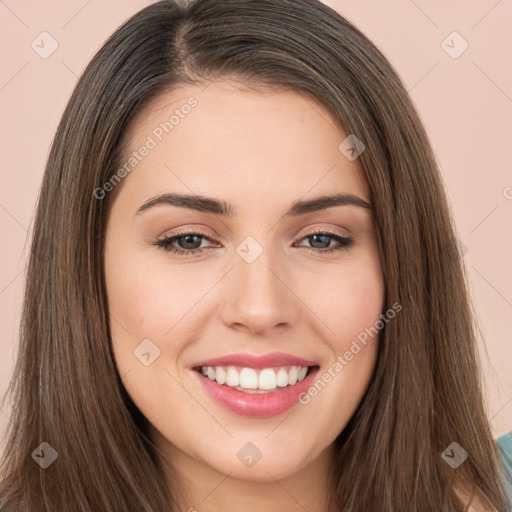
(260, 152)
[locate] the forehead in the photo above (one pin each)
(259, 147)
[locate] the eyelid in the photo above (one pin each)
(338, 231)
(187, 230)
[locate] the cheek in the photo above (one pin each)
(137, 310)
(146, 299)
(346, 300)
(349, 304)
(146, 332)
(153, 310)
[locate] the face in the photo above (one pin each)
(227, 313)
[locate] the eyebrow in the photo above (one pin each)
(217, 207)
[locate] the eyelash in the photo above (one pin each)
(166, 243)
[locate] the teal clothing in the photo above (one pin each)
(505, 446)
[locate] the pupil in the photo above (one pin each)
(187, 238)
(324, 237)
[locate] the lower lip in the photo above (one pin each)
(261, 405)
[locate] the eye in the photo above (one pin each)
(189, 242)
(322, 238)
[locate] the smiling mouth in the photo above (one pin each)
(256, 381)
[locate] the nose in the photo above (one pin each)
(259, 296)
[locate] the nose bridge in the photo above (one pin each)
(258, 297)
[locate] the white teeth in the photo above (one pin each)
(248, 378)
(302, 373)
(292, 375)
(282, 378)
(233, 377)
(266, 379)
(220, 375)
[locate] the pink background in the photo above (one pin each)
(465, 103)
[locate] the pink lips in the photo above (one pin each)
(260, 405)
(250, 361)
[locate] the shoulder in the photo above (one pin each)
(505, 446)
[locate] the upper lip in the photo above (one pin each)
(258, 362)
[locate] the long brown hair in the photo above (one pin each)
(425, 392)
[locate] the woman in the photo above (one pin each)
(244, 288)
